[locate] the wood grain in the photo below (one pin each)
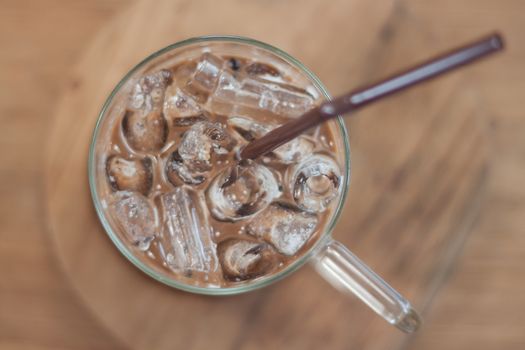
(144, 318)
(482, 305)
(38, 308)
(434, 204)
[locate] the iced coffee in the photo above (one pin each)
(173, 185)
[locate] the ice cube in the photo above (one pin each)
(146, 133)
(248, 129)
(192, 159)
(294, 150)
(287, 100)
(187, 236)
(179, 105)
(290, 152)
(241, 191)
(223, 100)
(132, 175)
(206, 73)
(260, 94)
(182, 77)
(148, 92)
(286, 228)
(243, 259)
(315, 182)
(177, 169)
(200, 140)
(196, 147)
(135, 216)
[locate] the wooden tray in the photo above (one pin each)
(417, 178)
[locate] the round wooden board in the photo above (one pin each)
(418, 176)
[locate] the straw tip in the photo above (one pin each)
(497, 41)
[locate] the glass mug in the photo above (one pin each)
(333, 261)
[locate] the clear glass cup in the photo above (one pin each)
(332, 260)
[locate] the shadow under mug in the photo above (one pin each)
(332, 260)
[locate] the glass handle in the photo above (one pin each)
(344, 271)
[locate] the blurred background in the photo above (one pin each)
(435, 205)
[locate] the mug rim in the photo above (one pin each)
(262, 281)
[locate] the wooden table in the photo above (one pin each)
(435, 205)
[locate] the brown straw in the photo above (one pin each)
(365, 95)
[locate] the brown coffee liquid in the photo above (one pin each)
(177, 193)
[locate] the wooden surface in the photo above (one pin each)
(434, 204)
